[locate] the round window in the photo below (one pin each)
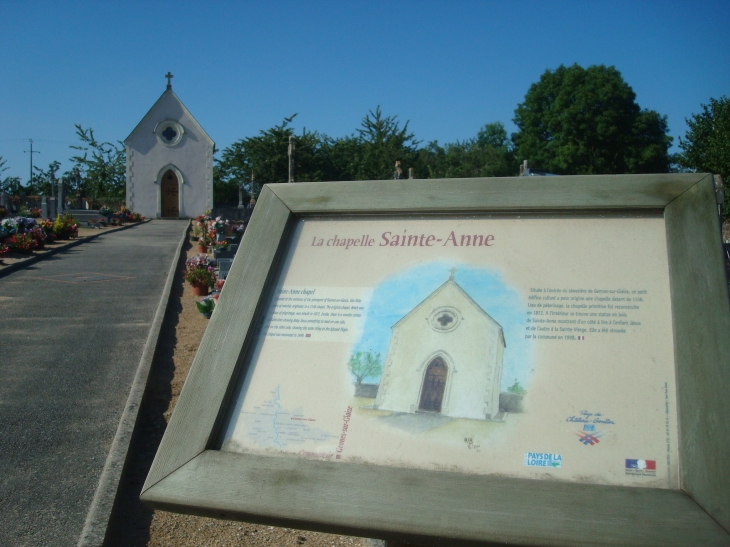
(169, 132)
(445, 319)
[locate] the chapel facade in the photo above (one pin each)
(445, 357)
(169, 162)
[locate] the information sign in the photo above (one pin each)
(517, 361)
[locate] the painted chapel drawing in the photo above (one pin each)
(445, 356)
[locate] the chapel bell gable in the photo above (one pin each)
(445, 357)
(169, 162)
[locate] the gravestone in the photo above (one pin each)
(61, 203)
(44, 207)
(85, 215)
(223, 253)
(224, 266)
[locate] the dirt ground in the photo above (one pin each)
(132, 524)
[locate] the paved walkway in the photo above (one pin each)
(72, 330)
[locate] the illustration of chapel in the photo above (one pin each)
(445, 357)
(169, 162)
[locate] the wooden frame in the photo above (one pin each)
(409, 505)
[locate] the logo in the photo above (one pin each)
(645, 468)
(589, 436)
(541, 459)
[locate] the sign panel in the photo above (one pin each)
(534, 348)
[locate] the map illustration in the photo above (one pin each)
(272, 426)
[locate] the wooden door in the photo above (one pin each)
(170, 195)
(434, 383)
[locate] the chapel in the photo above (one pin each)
(445, 357)
(169, 162)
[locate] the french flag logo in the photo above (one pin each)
(649, 465)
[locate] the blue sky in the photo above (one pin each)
(448, 67)
(398, 294)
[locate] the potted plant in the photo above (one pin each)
(7, 228)
(237, 230)
(219, 227)
(198, 228)
(206, 306)
(200, 274)
(200, 279)
(39, 237)
(106, 212)
(65, 227)
(47, 227)
(21, 243)
(203, 242)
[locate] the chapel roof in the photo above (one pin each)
(169, 95)
(452, 282)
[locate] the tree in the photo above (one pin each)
(102, 167)
(266, 156)
(706, 144)
(365, 365)
(372, 153)
(9, 185)
(586, 121)
(43, 180)
(489, 154)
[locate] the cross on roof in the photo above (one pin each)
(452, 273)
(169, 77)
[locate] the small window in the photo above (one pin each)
(169, 132)
(444, 319)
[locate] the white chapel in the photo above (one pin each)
(169, 162)
(445, 357)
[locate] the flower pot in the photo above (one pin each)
(202, 249)
(199, 289)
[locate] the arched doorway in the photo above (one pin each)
(434, 383)
(170, 193)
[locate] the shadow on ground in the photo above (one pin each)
(130, 520)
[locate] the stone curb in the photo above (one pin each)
(97, 519)
(10, 268)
